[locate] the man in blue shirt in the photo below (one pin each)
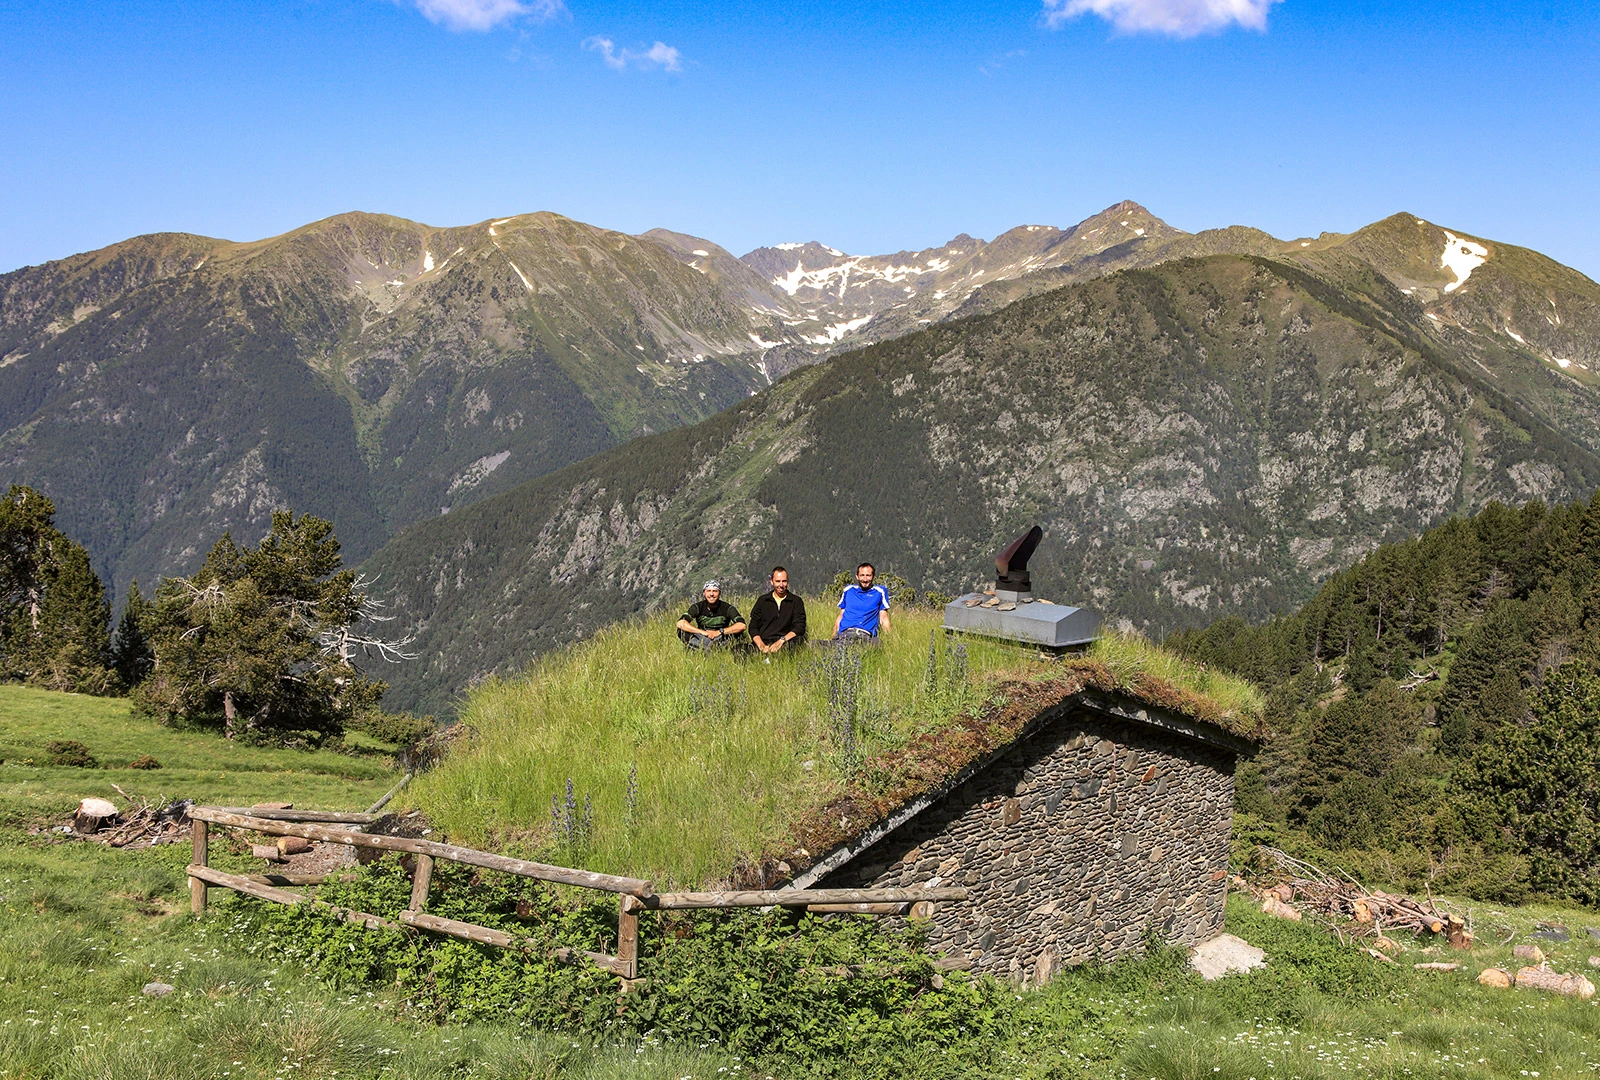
(864, 607)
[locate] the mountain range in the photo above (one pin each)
(1209, 435)
(1205, 422)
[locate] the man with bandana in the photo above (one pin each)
(710, 622)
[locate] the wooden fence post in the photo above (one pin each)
(197, 887)
(419, 881)
(628, 934)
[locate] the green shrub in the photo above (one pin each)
(396, 729)
(70, 753)
(828, 995)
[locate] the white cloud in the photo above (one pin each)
(660, 55)
(486, 14)
(1179, 18)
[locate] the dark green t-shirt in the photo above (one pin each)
(718, 616)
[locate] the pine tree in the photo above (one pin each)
(1542, 783)
(53, 609)
(71, 644)
(25, 532)
(262, 642)
(131, 656)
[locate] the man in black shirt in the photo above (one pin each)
(710, 622)
(779, 617)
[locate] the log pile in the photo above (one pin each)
(1373, 911)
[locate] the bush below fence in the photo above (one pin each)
(814, 991)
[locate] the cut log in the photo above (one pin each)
(1530, 953)
(1436, 967)
(92, 814)
(1460, 939)
(1361, 912)
(293, 845)
(1273, 905)
(1494, 977)
(268, 852)
(1542, 978)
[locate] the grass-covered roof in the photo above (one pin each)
(625, 754)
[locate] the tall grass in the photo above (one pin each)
(1130, 655)
(725, 753)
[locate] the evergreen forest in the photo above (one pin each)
(1435, 709)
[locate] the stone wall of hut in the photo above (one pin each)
(1073, 844)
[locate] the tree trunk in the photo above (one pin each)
(228, 713)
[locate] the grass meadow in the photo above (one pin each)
(198, 765)
(724, 753)
(84, 927)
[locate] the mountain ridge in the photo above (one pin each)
(379, 371)
(1209, 436)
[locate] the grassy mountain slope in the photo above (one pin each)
(1523, 320)
(367, 368)
(1209, 436)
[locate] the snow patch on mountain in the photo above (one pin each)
(1461, 258)
(837, 331)
(822, 278)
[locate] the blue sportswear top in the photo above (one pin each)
(861, 608)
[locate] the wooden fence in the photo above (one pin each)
(634, 895)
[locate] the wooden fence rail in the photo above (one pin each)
(634, 894)
(521, 867)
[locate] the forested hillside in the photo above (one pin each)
(1207, 437)
(1436, 708)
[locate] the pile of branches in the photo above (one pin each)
(1343, 897)
(147, 822)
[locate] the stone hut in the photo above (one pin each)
(1101, 818)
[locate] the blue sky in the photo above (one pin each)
(871, 126)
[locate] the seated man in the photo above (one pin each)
(779, 616)
(863, 609)
(710, 621)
